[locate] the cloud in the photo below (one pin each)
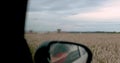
(63, 6)
(108, 11)
(71, 15)
(46, 21)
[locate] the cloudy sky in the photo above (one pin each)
(73, 15)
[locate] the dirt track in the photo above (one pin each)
(105, 47)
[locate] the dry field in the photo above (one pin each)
(105, 47)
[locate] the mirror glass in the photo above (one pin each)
(67, 53)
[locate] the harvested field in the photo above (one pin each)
(104, 46)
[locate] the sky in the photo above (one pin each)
(73, 15)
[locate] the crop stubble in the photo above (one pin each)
(104, 46)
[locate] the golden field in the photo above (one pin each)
(104, 46)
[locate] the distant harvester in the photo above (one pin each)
(58, 30)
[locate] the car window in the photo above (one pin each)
(95, 23)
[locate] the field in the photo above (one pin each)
(104, 46)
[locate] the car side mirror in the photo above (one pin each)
(62, 52)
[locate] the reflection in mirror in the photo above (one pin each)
(67, 53)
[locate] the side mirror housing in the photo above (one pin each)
(62, 52)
